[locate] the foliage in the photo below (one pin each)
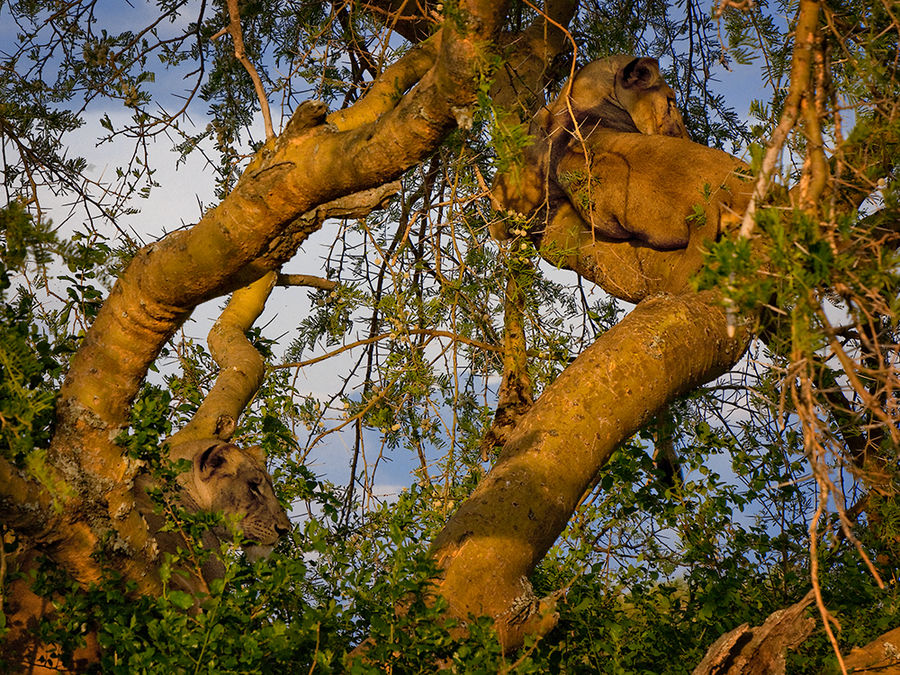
(30, 359)
(375, 445)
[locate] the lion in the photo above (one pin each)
(620, 93)
(222, 478)
(614, 189)
(642, 211)
(226, 479)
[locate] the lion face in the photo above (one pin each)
(644, 93)
(235, 481)
(619, 93)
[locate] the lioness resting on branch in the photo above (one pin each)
(613, 189)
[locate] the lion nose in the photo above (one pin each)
(282, 529)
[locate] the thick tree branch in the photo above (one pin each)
(383, 94)
(665, 347)
(760, 650)
(881, 655)
(413, 19)
(241, 368)
(517, 94)
(518, 89)
(813, 108)
(516, 394)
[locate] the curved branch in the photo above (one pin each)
(519, 85)
(666, 346)
(241, 368)
(235, 244)
(384, 92)
(516, 393)
(237, 37)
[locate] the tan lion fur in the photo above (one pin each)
(223, 478)
(678, 195)
(621, 93)
(613, 188)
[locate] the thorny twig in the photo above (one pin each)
(234, 29)
(804, 404)
(804, 39)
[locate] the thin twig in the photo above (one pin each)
(237, 37)
(849, 367)
(827, 618)
(804, 38)
(305, 280)
(382, 336)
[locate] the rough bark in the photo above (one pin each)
(665, 347)
(528, 58)
(241, 367)
(760, 650)
(515, 395)
(881, 656)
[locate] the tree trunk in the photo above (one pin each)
(761, 650)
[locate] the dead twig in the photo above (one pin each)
(804, 39)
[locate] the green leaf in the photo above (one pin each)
(181, 599)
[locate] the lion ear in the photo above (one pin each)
(257, 453)
(211, 459)
(640, 73)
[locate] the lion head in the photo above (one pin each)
(620, 93)
(234, 480)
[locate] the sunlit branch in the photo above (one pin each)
(241, 367)
(812, 108)
(305, 280)
(804, 39)
(234, 29)
(386, 90)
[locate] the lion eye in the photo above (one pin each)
(254, 489)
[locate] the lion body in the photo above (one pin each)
(614, 189)
(639, 223)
